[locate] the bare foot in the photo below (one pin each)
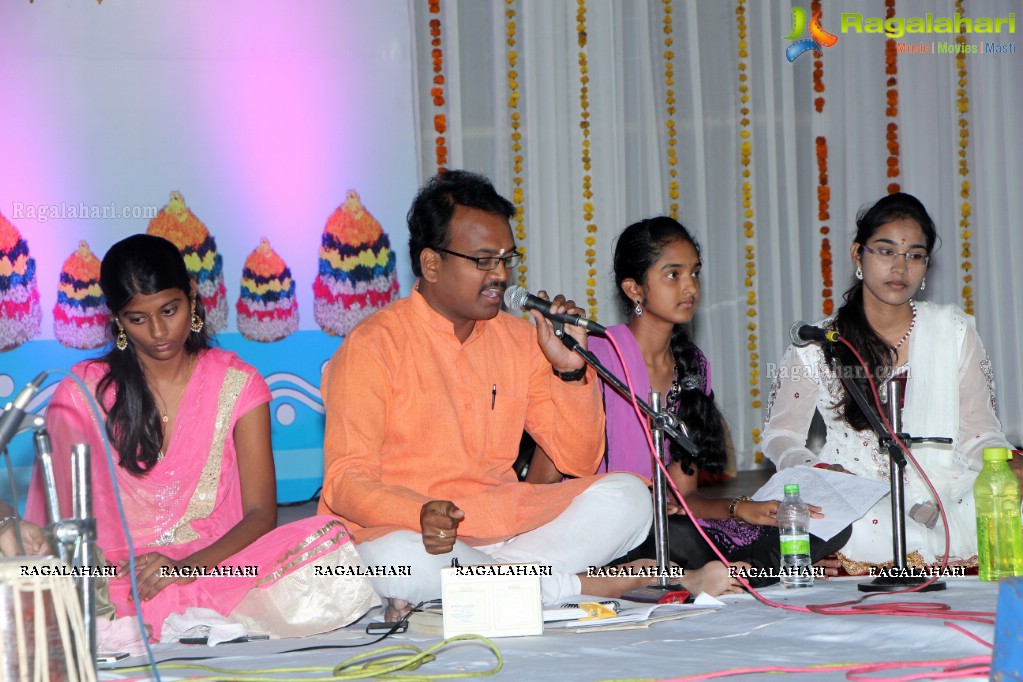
(613, 581)
(713, 578)
(395, 609)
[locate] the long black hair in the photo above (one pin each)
(637, 249)
(851, 319)
(140, 264)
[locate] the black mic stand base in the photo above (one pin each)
(651, 594)
(896, 583)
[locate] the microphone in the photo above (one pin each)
(518, 298)
(10, 420)
(803, 334)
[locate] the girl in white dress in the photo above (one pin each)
(949, 392)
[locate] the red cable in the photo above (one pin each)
(951, 669)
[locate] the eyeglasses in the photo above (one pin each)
(489, 262)
(889, 256)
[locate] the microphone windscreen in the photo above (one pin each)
(515, 297)
(798, 340)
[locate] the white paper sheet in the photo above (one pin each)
(842, 497)
(633, 612)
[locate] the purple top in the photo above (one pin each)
(626, 444)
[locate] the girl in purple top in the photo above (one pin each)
(657, 269)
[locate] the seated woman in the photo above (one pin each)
(949, 392)
(190, 428)
(657, 268)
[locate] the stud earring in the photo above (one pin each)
(923, 284)
(197, 321)
(122, 338)
(859, 272)
(638, 309)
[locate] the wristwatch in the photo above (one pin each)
(574, 375)
(734, 504)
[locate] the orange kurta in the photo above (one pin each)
(412, 416)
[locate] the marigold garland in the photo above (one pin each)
(518, 193)
(823, 215)
(818, 64)
(823, 188)
(440, 123)
(965, 210)
(891, 57)
(669, 79)
(584, 124)
(746, 154)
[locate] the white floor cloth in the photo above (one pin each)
(745, 633)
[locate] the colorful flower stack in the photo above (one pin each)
(177, 224)
(20, 314)
(357, 273)
(80, 317)
(267, 308)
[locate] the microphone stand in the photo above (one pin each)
(661, 422)
(660, 419)
(900, 576)
(75, 536)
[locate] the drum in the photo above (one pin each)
(42, 634)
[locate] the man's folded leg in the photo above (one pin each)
(604, 522)
(404, 551)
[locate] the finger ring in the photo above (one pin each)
(442, 535)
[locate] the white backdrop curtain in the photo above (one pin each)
(629, 142)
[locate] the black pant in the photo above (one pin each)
(688, 549)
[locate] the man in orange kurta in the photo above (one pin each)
(426, 404)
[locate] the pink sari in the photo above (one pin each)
(192, 497)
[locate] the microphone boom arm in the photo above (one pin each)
(662, 418)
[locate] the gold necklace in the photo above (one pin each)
(165, 412)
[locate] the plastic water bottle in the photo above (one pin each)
(999, 531)
(794, 529)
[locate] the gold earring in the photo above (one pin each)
(197, 321)
(122, 338)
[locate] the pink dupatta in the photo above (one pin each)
(626, 442)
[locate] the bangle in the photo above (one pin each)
(573, 375)
(734, 504)
(5, 522)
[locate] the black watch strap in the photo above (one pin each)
(574, 375)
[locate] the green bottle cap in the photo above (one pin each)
(791, 488)
(997, 454)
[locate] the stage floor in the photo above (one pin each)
(745, 633)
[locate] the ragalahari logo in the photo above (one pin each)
(818, 40)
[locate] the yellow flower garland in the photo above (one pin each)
(440, 123)
(669, 79)
(963, 100)
(746, 154)
(584, 124)
(518, 193)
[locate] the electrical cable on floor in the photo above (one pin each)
(952, 668)
(367, 665)
(890, 608)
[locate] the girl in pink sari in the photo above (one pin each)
(190, 430)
